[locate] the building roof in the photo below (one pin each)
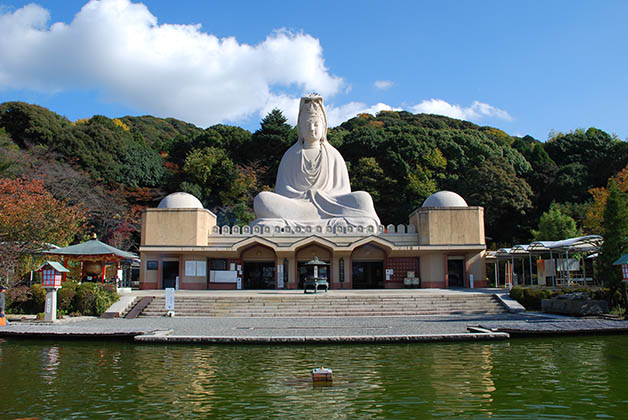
(444, 199)
(580, 244)
(92, 248)
(57, 266)
(622, 260)
(180, 200)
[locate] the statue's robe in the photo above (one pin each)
(317, 194)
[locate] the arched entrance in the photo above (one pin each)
(306, 254)
(258, 268)
(367, 267)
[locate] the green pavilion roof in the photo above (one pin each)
(93, 248)
(622, 260)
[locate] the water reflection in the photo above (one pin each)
(49, 358)
(558, 378)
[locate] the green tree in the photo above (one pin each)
(211, 169)
(269, 143)
(555, 225)
(615, 232)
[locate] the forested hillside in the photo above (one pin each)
(116, 167)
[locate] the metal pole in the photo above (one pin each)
(584, 270)
(567, 268)
(512, 271)
(553, 271)
(530, 259)
(496, 273)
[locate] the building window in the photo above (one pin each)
(218, 264)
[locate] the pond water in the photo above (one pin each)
(560, 378)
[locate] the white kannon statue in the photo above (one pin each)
(312, 187)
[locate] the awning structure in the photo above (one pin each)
(589, 244)
(92, 250)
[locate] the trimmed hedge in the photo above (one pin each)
(72, 298)
(531, 298)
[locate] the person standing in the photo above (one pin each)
(2, 305)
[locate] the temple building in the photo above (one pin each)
(313, 213)
(442, 246)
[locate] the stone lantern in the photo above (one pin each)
(51, 274)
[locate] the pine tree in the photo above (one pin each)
(269, 143)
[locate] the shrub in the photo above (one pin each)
(93, 299)
(86, 299)
(531, 298)
(66, 297)
(16, 298)
(38, 299)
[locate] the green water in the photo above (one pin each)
(565, 378)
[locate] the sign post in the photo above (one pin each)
(170, 301)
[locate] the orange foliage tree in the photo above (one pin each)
(593, 218)
(30, 218)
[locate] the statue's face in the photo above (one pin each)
(311, 125)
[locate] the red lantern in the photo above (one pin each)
(52, 274)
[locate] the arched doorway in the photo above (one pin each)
(367, 267)
(258, 268)
(306, 254)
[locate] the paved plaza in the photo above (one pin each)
(315, 330)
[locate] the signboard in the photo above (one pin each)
(563, 265)
(223, 276)
(190, 268)
(169, 299)
(239, 283)
(201, 268)
(152, 265)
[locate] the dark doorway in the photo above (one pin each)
(455, 271)
(169, 273)
(259, 275)
(368, 275)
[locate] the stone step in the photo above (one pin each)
(319, 314)
(327, 306)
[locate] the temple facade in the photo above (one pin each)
(442, 246)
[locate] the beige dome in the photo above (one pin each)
(180, 200)
(444, 199)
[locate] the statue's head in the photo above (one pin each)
(312, 121)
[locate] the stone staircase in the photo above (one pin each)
(322, 305)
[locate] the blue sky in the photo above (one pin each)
(525, 67)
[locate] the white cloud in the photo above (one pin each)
(119, 49)
(475, 112)
(383, 84)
